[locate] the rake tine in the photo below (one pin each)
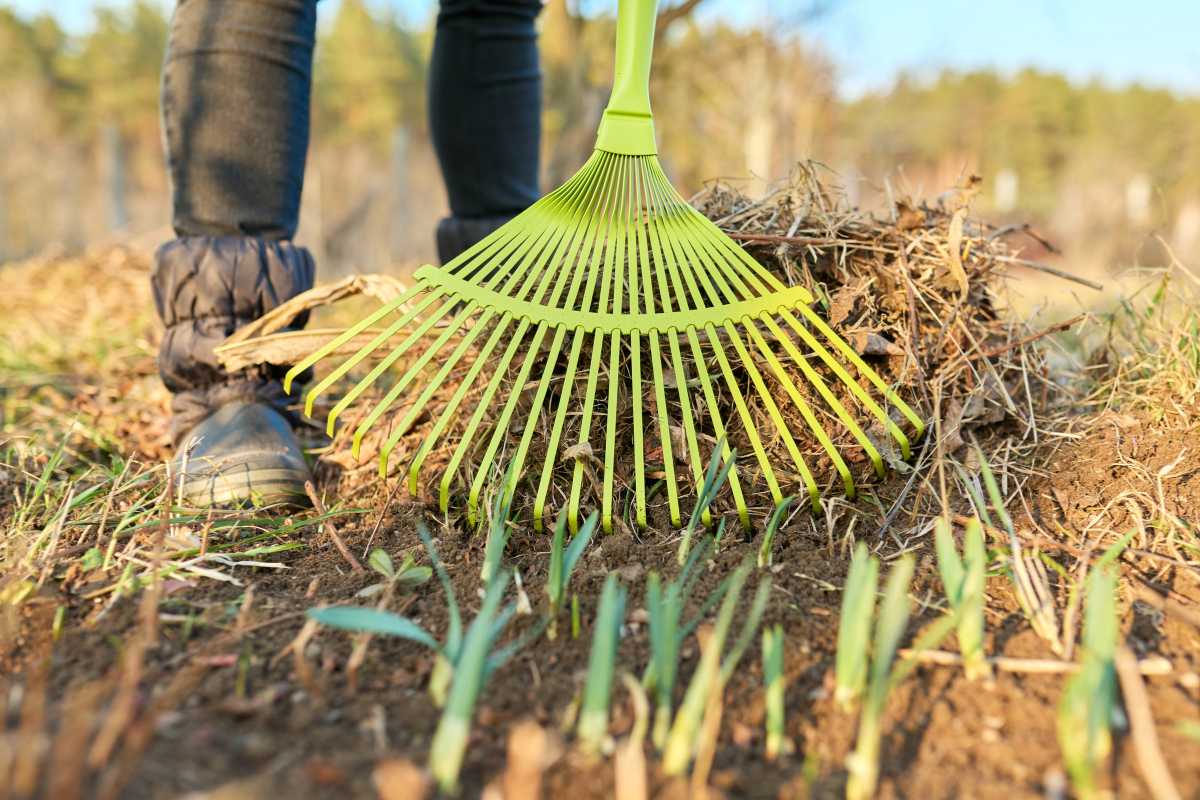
(589, 403)
(433, 385)
(649, 246)
(386, 363)
(887, 391)
(706, 278)
(448, 413)
(793, 393)
(777, 417)
(606, 286)
(506, 245)
(610, 427)
(560, 416)
(674, 269)
(637, 246)
(805, 409)
(565, 252)
(660, 399)
(664, 198)
(414, 369)
(500, 429)
(845, 377)
(530, 261)
(468, 436)
(593, 250)
(348, 335)
(817, 382)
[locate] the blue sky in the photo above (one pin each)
(1155, 42)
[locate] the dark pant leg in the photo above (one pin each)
(485, 105)
(235, 113)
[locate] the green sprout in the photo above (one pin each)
(773, 524)
(890, 626)
(563, 559)
(664, 606)
(409, 576)
(597, 692)
(498, 530)
(474, 664)
(863, 763)
(854, 632)
(449, 652)
(712, 673)
(714, 479)
(1088, 704)
(964, 579)
(772, 659)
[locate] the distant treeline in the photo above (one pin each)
(80, 149)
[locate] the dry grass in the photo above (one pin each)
(87, 513)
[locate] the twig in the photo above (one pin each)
(899, 502)
(1049, 270)
(1028, 230)
(1042, 666)
(1168, 605)
(1033, 337)
(330, 531)
(1141, 724)
(774, 238)
(387, 504)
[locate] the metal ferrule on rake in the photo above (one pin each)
(610, 304)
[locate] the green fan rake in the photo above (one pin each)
(611, 281)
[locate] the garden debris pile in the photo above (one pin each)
(915, 294)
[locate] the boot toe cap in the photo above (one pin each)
(244, 454)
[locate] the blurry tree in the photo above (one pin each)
(80, 147)
(369, 76)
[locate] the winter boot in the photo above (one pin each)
(232, 431)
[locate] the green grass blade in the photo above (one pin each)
(1086, 710)
(454, 631)
(681, 740)
(773, 524)
(597, 692)
(372, 620)
(854, 629)
(450, 739)
(772, 666)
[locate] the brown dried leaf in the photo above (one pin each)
(954, 253)
(908, 217)
(400, 779)
(869, 343)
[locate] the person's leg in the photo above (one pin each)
(235, 114)
(485, 106)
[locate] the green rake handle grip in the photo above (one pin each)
(628, 126)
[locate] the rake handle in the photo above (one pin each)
(628, 125)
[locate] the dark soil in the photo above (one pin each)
(232, 707)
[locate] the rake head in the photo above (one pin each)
(610, 304)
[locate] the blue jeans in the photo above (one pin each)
(235, 110)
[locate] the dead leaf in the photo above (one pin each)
(531, 751)
(576, 451)
(908, 217)
(954, 253)
(842, 302)
(400, 779)
(383, 288)
(869, 343)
